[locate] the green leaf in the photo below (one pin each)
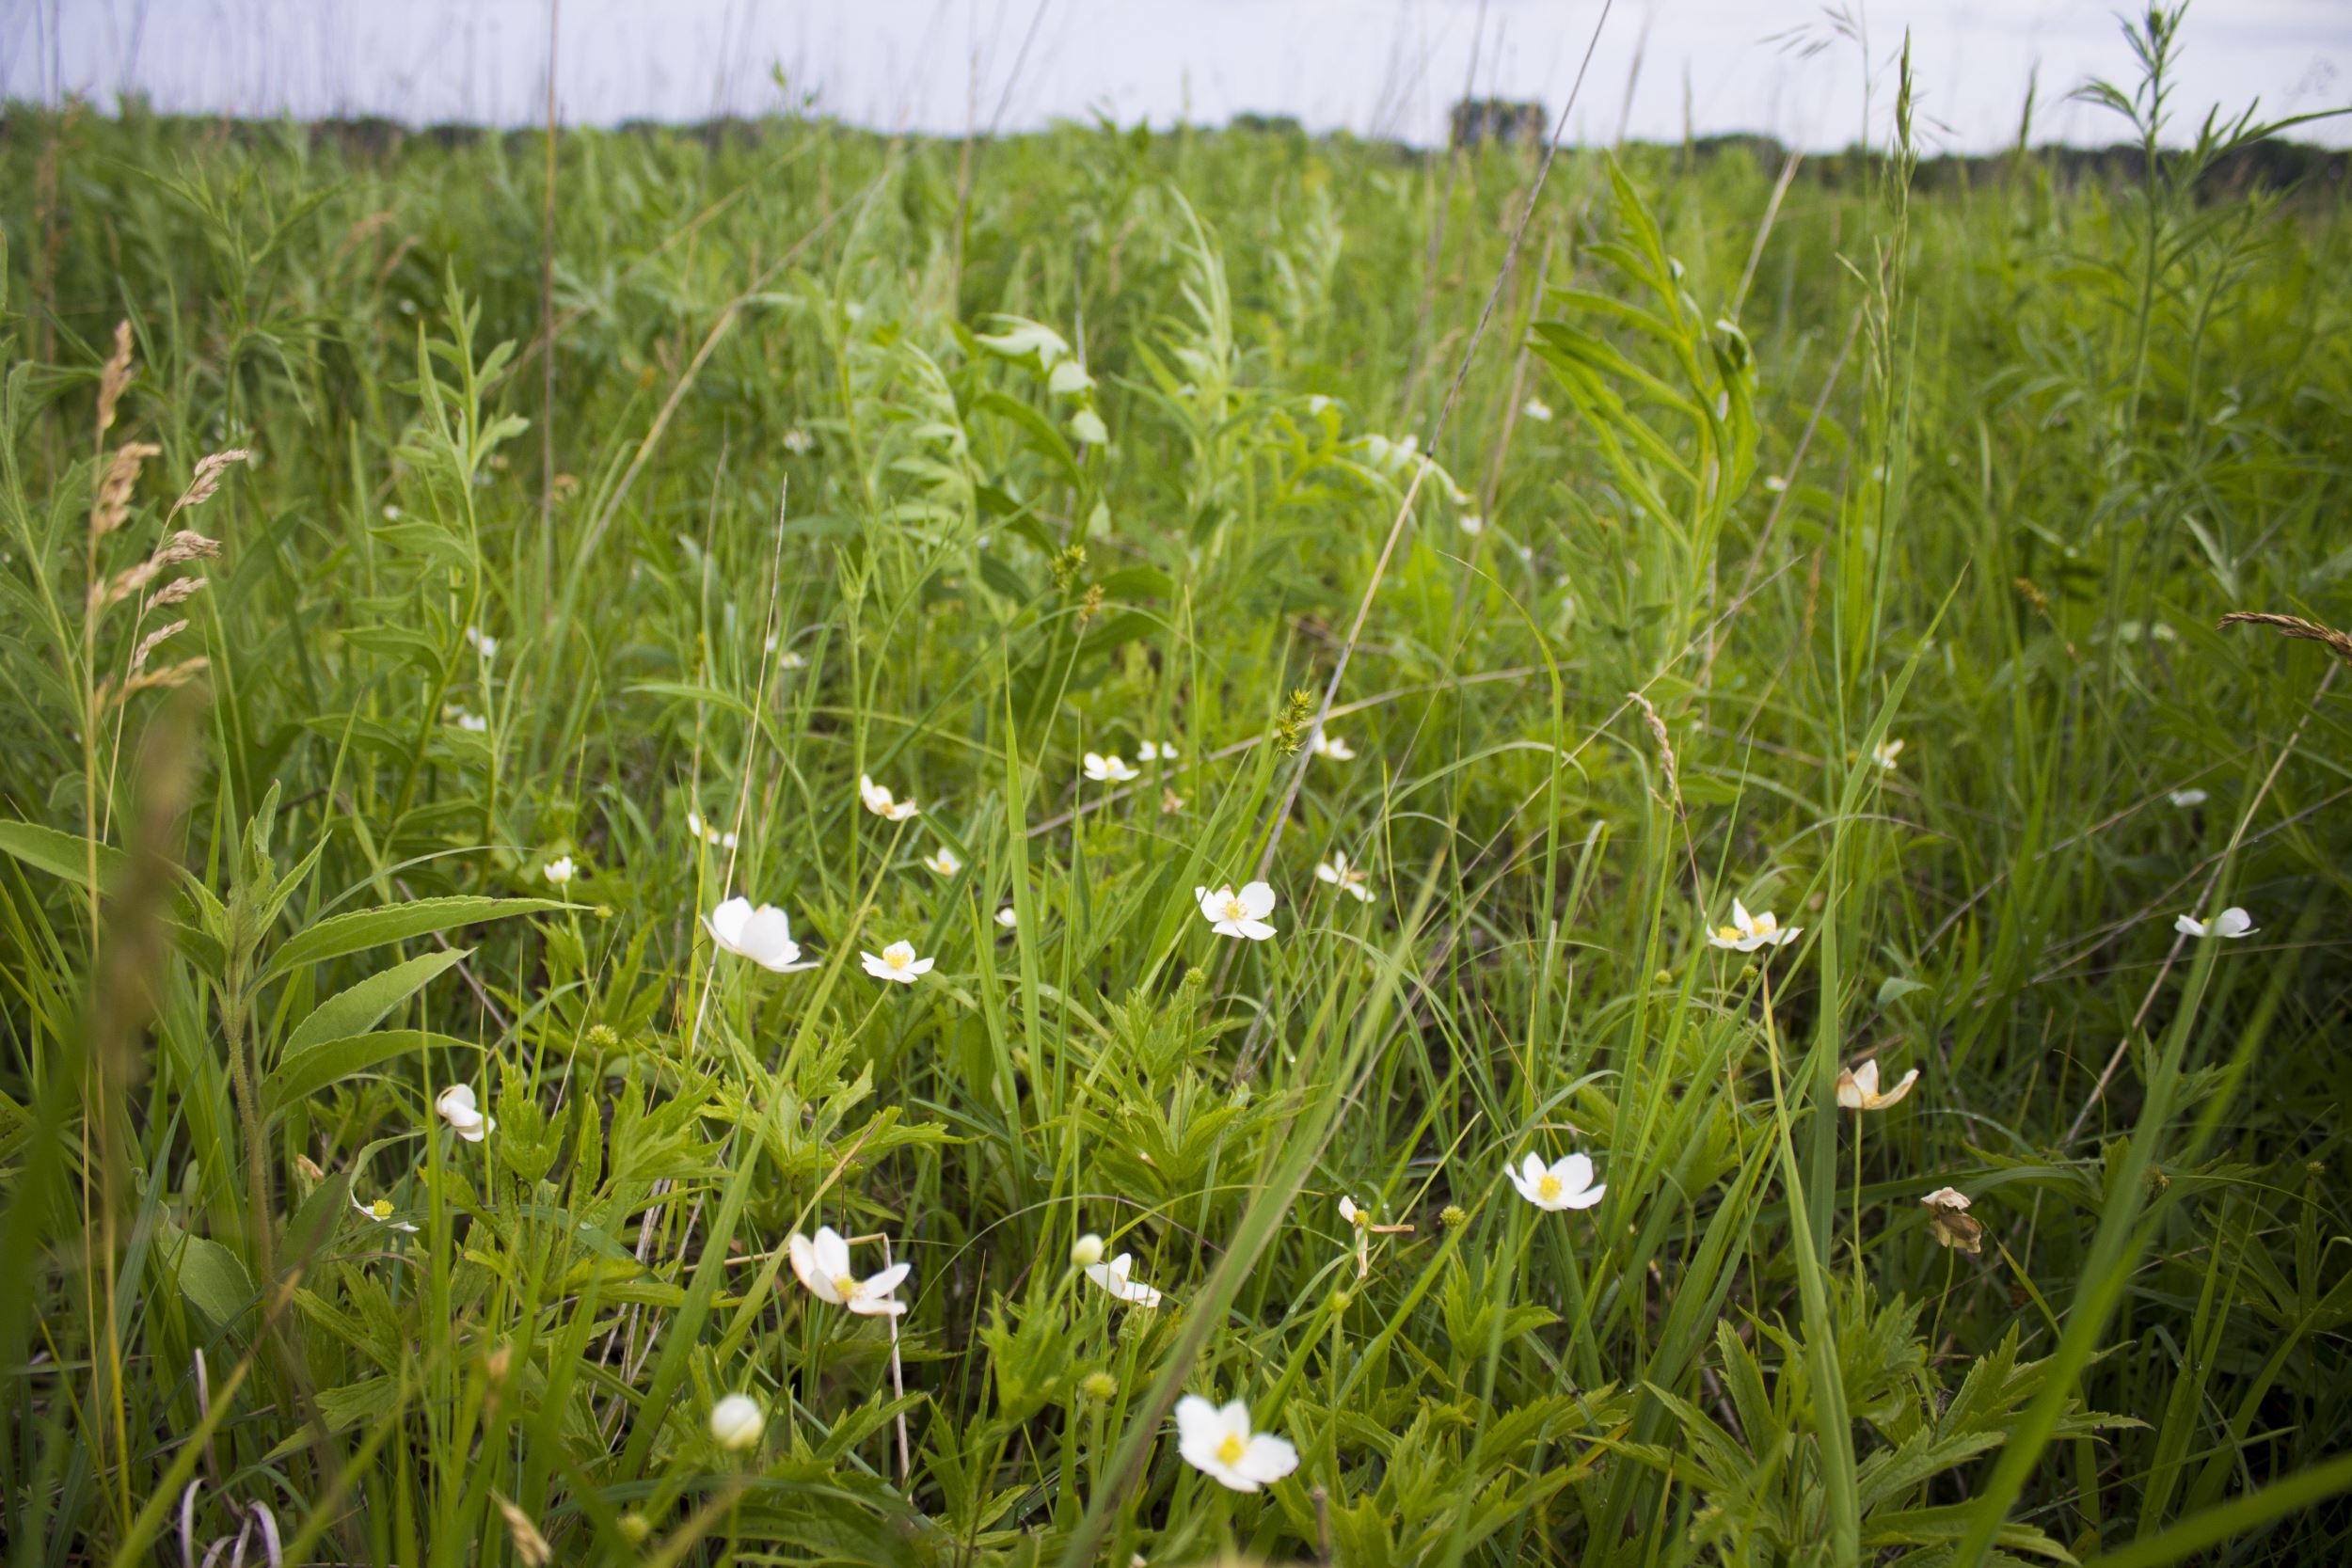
(361, 930)
(1894, 988)
(359, 1009)
(213, 1281)
(336, 1060)
(65, 855)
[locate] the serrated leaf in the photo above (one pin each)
(359, 1008)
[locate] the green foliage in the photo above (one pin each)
(868, 460)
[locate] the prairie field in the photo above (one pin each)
(756, 844)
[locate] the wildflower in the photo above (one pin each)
(798, 441)
(1085, 1251)
(456, 1106)
(1157, 751)
(2184, 798)
(1747, 932)
(1107, 769)
(1113, 1276)
(1009, 917)
(1948, 1217)
(823, 1265)
(1473, 524)
(943, 861)
(1170, 802)
(1359, 1218)
(1219, 1443)
(1774, 484)
(736, 1422)
(897, 962)
(559, 870)
(1536, 409)
(1858, 1087)
(1239, 914)
(1885, 753)
(788, 659)
(1567, 1183)
(485, 646)
(381, 1212)
(1316, 405)
(1333, 746)
(708, 834)
(763, 935)
(1347, 878)
(882, 803)
(2231, 922)
(1068, 379)
(472, 724)
(1100, 1389)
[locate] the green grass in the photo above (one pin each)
(1979, 471)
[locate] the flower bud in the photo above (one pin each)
(736, 1422)
(1098, 1388)
(1087, 1251)
(1454, 1218)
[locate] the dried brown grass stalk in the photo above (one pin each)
(2294, 626)
(1665, 747)
(112, 503)
(207, 477)
(114, 378)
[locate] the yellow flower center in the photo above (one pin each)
(1233, 909)
(845, 1287)
(896, 959)
(381, 1208)
(1548, 1186)
(1728, 934)
(1765, 923)
(1230, 1450)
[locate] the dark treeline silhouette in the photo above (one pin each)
(2274, 164)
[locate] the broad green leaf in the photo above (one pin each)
(65, 855)
(359, 1009)
(336, 1060)
(361, 930)
(214, 1280)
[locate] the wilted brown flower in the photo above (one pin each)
(1948, 1217)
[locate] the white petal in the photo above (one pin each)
(811, 1269)
(2232, 921)
(1257, 900)
(2188, 927)
(1575, 1172)
(1196, 1417)
(1268, 1458)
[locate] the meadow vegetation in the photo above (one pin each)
(1802, 544)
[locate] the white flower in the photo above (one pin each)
(1009, 917)
(763, 935)
(456, 1106)
(472, 724)
(1170, 802)
(1086, 427)
(559, 870)
(1774, 483)
(1473, 524)
(943, 861)
(485, 646)
(1239, 914)
(1347, 878)
(1331, 746)
(1068, 379)
(381, 1212)
(1536, 409)
(823, 1265)
(1359, 1218)
(1156, 751)
(1885, 753)
(736, 1422)
(897, 962)
(1316, 405)
(1747, 932)
(880, 802)
(1858, 1087)
(1085, 1251)
(1567, 1183)
(788, 659)
(1113, 1276)
(1217, 1442)
(798, 441)
(2186, 798)
(2231, 922)
(708, 834)
(1107, 769)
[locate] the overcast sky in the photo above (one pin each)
(1377, 67)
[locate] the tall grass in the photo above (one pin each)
(1748, 479)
